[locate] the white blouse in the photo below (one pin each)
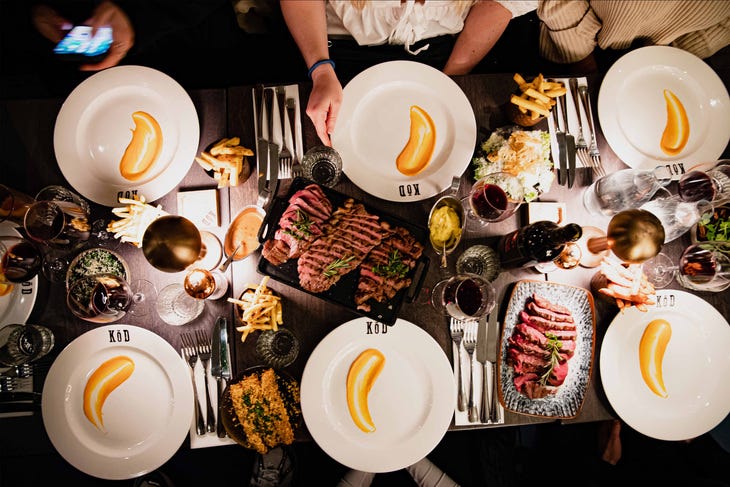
(393, 22)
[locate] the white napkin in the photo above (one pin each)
(570, 105)
(461, 418)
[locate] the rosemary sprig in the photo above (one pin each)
(394, 267)
(302, 225)
(337, 264)
(553, 347)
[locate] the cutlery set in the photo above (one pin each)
(277, 152)
(570, 141)
(214, 352)
(480, 341)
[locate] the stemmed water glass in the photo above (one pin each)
(463, 297)
(494, 198)
(701, 267)
(20, 259)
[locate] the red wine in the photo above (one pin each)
(490, 202)
(696, 186)
(542, 241)
(21, 262)
(464, 298)
(698, 266)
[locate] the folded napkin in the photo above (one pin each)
(461, 418)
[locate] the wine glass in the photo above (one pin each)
(21, 259)
(702, 267)
(99, 298)
(495, 197)
(144, 294)
(176, 307)
(464, 296)
(13, 204)
(712, 184)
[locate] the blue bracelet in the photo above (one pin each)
(318, 64)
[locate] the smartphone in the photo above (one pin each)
(80, 46)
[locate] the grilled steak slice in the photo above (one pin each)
(349, 235)
(301, 224)
(544, 303)
(384, 271)
(535, 310)
(543, 324)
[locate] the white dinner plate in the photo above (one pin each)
(95, 126)
(146, 418)
(411, 402)
(695, 368)
(373, 127)
(17, 305)
(633, 113)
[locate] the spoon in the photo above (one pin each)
(443, 257)
(224, 266)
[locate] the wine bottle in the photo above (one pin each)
(541, 241)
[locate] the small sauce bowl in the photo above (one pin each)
(445, 248)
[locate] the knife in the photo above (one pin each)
(483, 358)
(262, 146)
(220, 365)
(492, 347)
(569, 141)
(560, 139)
(273, 147)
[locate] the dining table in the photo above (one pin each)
(29, 164)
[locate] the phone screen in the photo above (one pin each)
(80, 43)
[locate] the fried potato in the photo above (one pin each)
(259, 309)
(227, 160)
(135, 217)
(537, 97)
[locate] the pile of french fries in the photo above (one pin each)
(227, 160)
(627, 285)
(136, 216)
(260, 309)
(537, 97)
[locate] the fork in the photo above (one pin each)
(581, 147)
(291, 113)
(203, 347)
(593, 149)
(456, 328)
(285, 156)
(470, 344)
(191, 355)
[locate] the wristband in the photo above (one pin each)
(318, 64)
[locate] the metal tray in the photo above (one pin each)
(343, 291)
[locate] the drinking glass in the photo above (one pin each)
(323, 165)
(712, 185)
(144, 294)
(278, 348)
(13, 204)
(702, 267)
(479, 259)
(22, 344)
(495, 197)
(624, 189)
(176, 307)
(21, 259)
(464, 296)
(676, 216)
(99, 298)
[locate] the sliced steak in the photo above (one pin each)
(535, 310)
(545, 324)
(545, 303)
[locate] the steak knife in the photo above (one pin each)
(483, 358)
(262, 146)
(569, 140)
(562, 147)
(220, 365)
(273, 147)
(492, 348)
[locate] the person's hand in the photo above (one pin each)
(325, 101)
(50, 24)
(109, 14)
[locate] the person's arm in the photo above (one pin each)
(109, 14)
(483, 27)
(307, 23)
(568, 32)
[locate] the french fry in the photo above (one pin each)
(537, 97)
(227, 160)
(135, 218)
(260, 309)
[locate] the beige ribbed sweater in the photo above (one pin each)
(571, 29)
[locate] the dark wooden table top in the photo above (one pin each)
(26, 145)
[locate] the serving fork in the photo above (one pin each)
(190, 353)
(470, 343)
(593, 148)
(456, 328)
(285, 156)
(203, 347)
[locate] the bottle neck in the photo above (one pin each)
(569, 233)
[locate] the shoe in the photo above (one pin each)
(274, 469)
(156, 478)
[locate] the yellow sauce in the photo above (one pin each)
(417, 152)
(141, 153)
(445, 226)
(676, 130)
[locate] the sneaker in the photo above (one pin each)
(274, 469)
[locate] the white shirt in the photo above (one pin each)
(393, 22)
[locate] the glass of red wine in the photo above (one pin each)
(712, 184)
(495, 197)
(21, 259)
(99, 298)
(464, 297)
(702, 267)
